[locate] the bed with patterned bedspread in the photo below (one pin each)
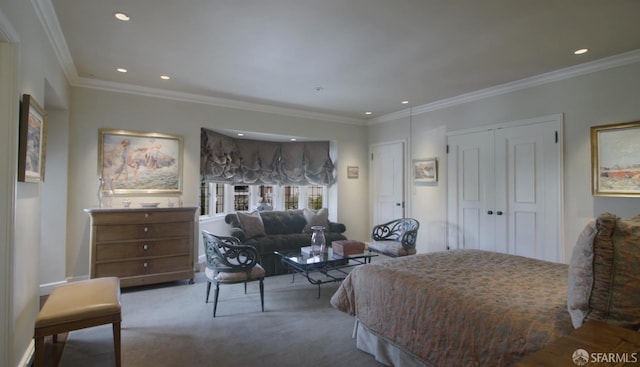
(459, 308)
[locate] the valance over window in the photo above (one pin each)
(225, 159)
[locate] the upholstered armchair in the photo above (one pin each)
(395, 238)
(230, 262)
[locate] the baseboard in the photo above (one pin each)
(27, 358)
(46, 288)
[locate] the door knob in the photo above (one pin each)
(490, 212)
(499, 212)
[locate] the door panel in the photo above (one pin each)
(470, 175)
(388, 182)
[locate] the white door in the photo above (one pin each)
(505, 190)
(529, 175)
(471, 191)
(387, 172)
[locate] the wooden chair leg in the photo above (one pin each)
(215, 299)
(262, 294)
(116, 343)
(38, 358)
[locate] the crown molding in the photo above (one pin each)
(606, 63)
(214, 101)
(7, 32)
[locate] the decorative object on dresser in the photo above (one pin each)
(143, 245)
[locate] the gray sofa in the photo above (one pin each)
(283, 230)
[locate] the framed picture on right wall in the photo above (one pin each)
(615, 159)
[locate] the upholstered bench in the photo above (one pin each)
(79, 305)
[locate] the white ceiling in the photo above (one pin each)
(336, 58)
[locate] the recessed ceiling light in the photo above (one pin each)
(293, 139)
(121, 16)
(368, 113)
(405, 102)
(240, 134)
(581, 51)
(122, 70)
(165, 77)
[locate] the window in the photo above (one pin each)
(315, 197)
(291, 197)
(241, 198)
(205, 198)
(218, 198)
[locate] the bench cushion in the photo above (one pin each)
(80, 301)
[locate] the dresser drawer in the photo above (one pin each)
(142, 231)
(137, 267)
(137, 249)
(138, 216)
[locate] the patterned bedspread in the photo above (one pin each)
(460, 308)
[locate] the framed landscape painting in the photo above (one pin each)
(32, 141)
(140, 163)
(615, 159)
(425, 170)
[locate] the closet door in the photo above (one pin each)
(471, 192)
(528, 172)
(504, 190)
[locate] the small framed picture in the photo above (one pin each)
(615, 159)
(353, 171)
(32, 143)
(425, 170)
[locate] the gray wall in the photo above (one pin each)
(598, 98)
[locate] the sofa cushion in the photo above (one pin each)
(612, 287)
(251, 224)
(283, 222)
(318, 217)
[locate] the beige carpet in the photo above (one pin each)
(170, 325)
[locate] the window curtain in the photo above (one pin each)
(225, 159)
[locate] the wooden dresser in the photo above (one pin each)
(143, 245)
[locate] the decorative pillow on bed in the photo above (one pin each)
(604, 273)
(318, 217)
(251, 224)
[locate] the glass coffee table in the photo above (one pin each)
(322, 268)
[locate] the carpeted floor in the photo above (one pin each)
(170, 325)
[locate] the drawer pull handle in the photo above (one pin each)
(146, 229)
(145, 265)
(145, 247)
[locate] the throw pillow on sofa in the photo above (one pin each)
(251, 224)
(318, 217)
(604, 281)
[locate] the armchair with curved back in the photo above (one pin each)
(395, 238)
(230, 262)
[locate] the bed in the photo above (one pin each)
(456, 308)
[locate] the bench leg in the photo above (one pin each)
(116, 343)
(39, 352)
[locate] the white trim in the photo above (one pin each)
(549, 118)
(554, 76)
(46, 289)
(49, 20)
(27, 357)
(8, 165)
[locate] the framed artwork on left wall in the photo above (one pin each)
(32, 140)
(140, 162)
